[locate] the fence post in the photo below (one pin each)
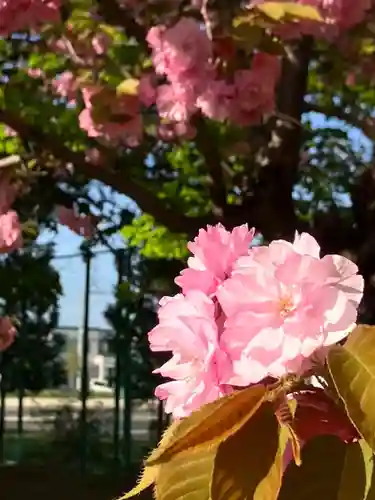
(21, 381)
(87, 256)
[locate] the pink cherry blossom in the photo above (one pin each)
(247, 314)
(170, 131)
(10, 232)
(255, 89)
(121, 121)
(180, 51)
(18, 15)
(147, 89)
(175, 102)
(282, 303)
(187, 327)
(216, 101)
(215, 252)
(9, 132)
(7, 333)
(66, 85)
(100, 43)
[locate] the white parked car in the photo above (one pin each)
(96, 385)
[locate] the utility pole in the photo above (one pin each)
(87, 257)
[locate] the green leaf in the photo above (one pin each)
(150, 473)
(213, 423)
(285, 414)
(368, 458)
(352, 367)
(128, 87)
(246, 35)
(357, 472)
(186, 476)
(278, 11)
(274, 10)
(330, 470)
(248, 465)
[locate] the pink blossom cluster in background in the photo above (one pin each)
(81, 224)
(10, 227)
(245, 314)
(7, 333)
(81, 48)
(18, 15)
(114, 118)
(183, 54)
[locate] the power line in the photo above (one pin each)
(79, 254)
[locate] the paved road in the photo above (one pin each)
(40, 413)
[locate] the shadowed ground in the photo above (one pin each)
(20, 482)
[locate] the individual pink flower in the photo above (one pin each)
(35, 73)
(182, 50)
(255, 89)
(9, 131)
(121, 121)
(66, 85)
(215, 252)
(283, 303)
(171, 131)
(147, 89)
(10, 232)
(188, 328)
(7, 333)
(216, 100)
(175, 102)
(100, 43)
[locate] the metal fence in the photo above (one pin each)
(77, 428)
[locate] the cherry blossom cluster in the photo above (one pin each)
(7, 333)
(10, 239)
(19, 15)
(184, 55)
(112, 117)
(246, 313)
(84, 47)
(10, 227)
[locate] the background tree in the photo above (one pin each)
(133, 315)
(30, 295)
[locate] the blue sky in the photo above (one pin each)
(72, 274)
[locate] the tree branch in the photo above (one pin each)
(365, 125)
(113, 14)
(145, 199)
(272, 191)
(207, 146)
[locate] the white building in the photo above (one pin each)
(101, 361)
